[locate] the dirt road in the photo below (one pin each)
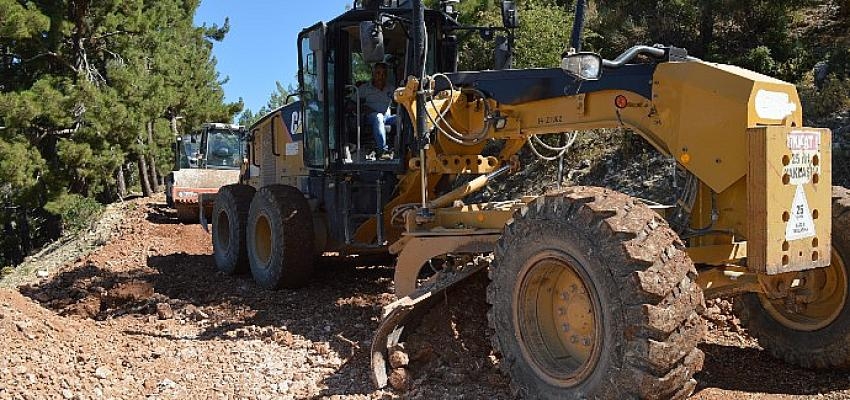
(147, 316)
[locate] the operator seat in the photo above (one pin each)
(367, 140)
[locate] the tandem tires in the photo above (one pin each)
(280, 237)
(229, 219)
(816, 334)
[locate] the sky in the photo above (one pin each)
(260, 47)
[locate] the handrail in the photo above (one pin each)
(357, 95)
(654, 51)
(254, 148)
(631, 53)
(274, 137)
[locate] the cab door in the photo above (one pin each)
(312, 78)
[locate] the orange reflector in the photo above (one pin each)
(621, 101)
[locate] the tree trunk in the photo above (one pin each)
(26, 243)
(143, 176)
(844, 8)
(706, 27)
(121, 182)
(174, 125)
(153, 175)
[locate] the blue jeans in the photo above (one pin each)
(378, 122)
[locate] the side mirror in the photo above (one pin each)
(486, 34)
(317, 63)
(450, 7)
(502, 53)
(450, 51)
(510, 19)
(372, 42)
(311, 64)
(585, 66)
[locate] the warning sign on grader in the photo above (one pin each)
(801, 225)
(804, 148)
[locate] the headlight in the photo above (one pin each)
(587, 66)
(187, 194)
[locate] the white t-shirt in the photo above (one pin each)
(377, 100)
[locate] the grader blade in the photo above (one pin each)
(206, 201)
(402, 312)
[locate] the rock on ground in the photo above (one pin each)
(148, 316)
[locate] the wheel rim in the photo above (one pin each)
(223, 227)
(830, 287)
(556, 319)
(263, 240)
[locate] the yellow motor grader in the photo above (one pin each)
(593, 293)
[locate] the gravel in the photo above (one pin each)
(147, 316)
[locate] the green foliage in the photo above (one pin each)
(839, 62)
(543, 34)
(79, 85)
(759, 59)
(277, 99)
(754, 34)
(247, 118)
(77, 212)
(19, 21)
(833, 96)
(20, 166)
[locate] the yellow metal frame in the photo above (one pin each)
(728, 126)
(724, 124)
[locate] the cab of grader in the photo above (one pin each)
(593, 293)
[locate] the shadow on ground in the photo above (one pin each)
(341, 305)
(754, 370)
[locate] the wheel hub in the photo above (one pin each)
(263, 240)
(816, 302)
(556, 319)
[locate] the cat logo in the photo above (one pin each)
(295, 125)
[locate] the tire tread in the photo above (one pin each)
(655, 274)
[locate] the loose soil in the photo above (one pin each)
(148, 316)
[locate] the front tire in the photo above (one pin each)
(281, 246)
(817, 336)
(229, 218)
(593, 296)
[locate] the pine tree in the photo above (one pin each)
(86, 87)
(278, 98)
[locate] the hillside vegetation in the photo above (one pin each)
(90, 97)
(91, 93)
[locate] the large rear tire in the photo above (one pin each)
(594, 297)
(281, 246)
(815, 336)
(229, 218)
